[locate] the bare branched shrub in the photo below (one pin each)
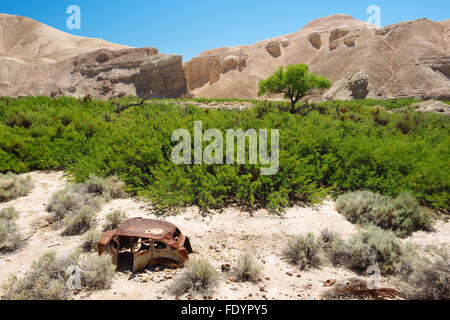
(403, 215)
(97, 272)
(13, 186)
(199, 276)
(246, 268)
(114, 219)
(303, 251)
(79, 221)
(90, 240)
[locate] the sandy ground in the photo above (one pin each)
(220, 237)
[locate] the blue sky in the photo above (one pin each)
(188, 27)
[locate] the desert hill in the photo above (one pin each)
(25, 39)
(36, 59)
(363, 61)
(408, 59)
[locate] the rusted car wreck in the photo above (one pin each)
(138, 243)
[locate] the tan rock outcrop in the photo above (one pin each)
(38, 60)
(274, 48)
(432, 106)
(408, 59)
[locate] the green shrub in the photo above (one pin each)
(246, 268)
(199, 276)
(114, 219)
(319, 155)
(97, 272)
(80, 221)
(403, 215)
(13, 186)
(374, 246)
(303, 251)
(90, 240)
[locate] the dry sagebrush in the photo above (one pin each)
(14, 186)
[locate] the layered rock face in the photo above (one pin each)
(38, 60)
(409, 59)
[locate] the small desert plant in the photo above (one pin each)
(97, 272)
(13, 186)
(246, 268)
(109, 188)
(79, 221)
(45, 281)
(90, 240)
(430, 279)
(50, 276)
(328, 237)
(9, 213)
(374, 246)
(199, 276)
(63, 202)
(403, 215)
(9, 235)
(303, 251)
(114, 219)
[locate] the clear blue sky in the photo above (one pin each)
(188, 27)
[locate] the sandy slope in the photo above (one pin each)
(28, 41)
(220, 237)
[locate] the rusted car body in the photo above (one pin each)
(138, 243)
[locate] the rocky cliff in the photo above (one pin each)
(409, 59)
(38, 60)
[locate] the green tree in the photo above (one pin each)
(293, 82)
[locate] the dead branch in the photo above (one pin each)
(142, 103)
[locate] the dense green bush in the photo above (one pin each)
(403, 215)
(321, 152)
